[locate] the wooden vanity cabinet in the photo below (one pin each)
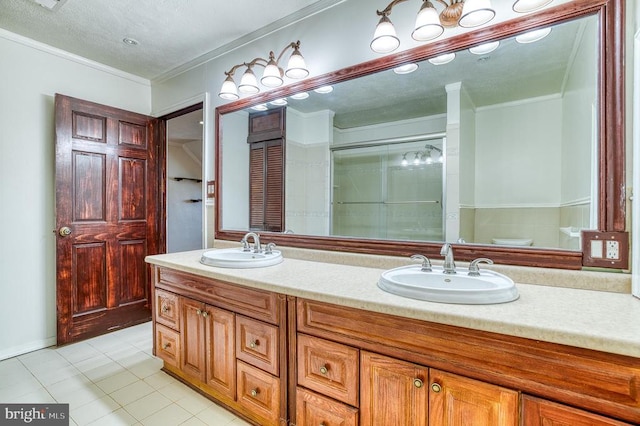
(413, 372)
(225, 341)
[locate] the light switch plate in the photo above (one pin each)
(605, 249)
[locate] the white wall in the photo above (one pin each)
(522, 137)
(30, 76)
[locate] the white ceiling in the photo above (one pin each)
(170, 33)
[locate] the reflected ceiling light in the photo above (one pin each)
(430, 23)
(271, 76)
(483, 49)
(260, 107)
(533, 36)
(443, 59)
(524, 6)
(406, 68)
(281, 101)
(302, 95)
(428, 155)
(324, 89)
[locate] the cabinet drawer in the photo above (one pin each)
(168, 345)
(257, 344)
(167, 309)
(313, 410)
(259, 393)
(329, 368)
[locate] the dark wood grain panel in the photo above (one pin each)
(132, 197)
(133, 271)
(88, 201)
(593, 380)
(89, 127)
(89, 177)
(132, 134)
(90, 271)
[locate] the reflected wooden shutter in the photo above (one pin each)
(266, 194)
(256, 186)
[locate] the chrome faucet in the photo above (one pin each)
(256, 242)
(449, 266)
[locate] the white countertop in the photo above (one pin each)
(599, 320)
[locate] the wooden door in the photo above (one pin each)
(192, 338)
(221, 354)
(392, 392)
(459, 401)
(538, 412)
(107, 197)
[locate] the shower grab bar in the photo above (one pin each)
(390, 202)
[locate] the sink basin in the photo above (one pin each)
(410, 281)
(236, 258)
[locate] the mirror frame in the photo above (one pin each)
(611, 149)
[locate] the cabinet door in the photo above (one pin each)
(459, 401)
(313, 410)
(538, 412)
(393, 392)
(220, 354)
(192, 339)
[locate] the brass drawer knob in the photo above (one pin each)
(255, 392)
(164, 309)
(436, 387)
(205, 314)
(418, 383)
(166, 346)
(198, 312)
(254, 344)
(324, 370)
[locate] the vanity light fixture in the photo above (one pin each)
(483, 49)
(442, 59)
(525, 6)
(533, 36)
(406, 68)
(429, 23)
(272, 76)
(425, 156)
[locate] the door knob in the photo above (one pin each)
(64, 231)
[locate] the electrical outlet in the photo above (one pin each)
(613, 250)
(605, 249)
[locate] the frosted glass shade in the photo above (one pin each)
(533, 36)
(248, 83)
(296, 67)
(443, 59)
(476, 13)
(524, 6)
(229, 91)
(271, 76)
(428, 25)
(385, 39)
(483, 49)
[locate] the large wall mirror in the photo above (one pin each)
(507, 152)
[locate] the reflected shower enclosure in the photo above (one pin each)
(388, 190)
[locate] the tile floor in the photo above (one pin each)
(109, 380)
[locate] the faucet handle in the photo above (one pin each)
(426, 263)
(245, 245)
(269, 248)
(474, 269)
